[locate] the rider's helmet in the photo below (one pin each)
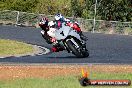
(43, 21)
(59, 17)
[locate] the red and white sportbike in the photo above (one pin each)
(67, 38)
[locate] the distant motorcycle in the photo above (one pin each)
(69, 39)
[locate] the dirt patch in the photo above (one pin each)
(46, 71)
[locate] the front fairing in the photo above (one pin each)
(63, 32)
(66, 31)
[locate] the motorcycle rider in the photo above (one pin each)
(52, 29)
(47, 28)
(57, 24)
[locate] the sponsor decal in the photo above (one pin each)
(86, 81)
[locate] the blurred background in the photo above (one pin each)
(100, 16)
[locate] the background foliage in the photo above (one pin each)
(119, 10)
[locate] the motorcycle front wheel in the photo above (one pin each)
(78, 52)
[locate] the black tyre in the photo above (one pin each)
(74, 50)
(85, 53)
(83, 49)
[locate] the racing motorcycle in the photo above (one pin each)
(69, 39)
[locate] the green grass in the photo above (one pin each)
(63, 82)
(9, 47)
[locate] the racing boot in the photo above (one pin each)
(57, 48)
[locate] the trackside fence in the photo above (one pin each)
(18, 18)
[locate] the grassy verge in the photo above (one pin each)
(63, 81)
(10, 48)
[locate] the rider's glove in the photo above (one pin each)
(53, 40)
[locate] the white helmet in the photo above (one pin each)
(44, 21)
(58, 16)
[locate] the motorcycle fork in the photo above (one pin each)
(66, 47)
(76, 45)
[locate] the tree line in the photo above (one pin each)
(118, 10)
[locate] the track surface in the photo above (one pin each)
(103, 48)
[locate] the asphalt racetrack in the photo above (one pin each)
(103, 48)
